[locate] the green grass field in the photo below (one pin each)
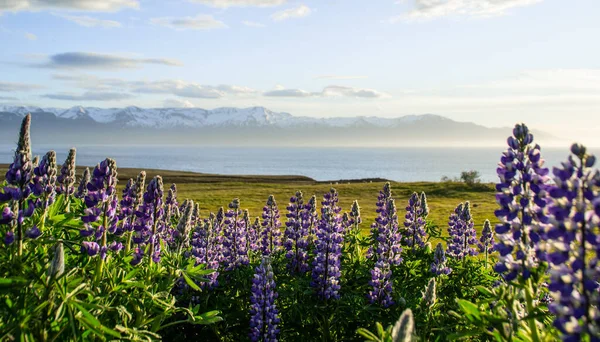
(214, 191)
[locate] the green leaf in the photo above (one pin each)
(93, 322)
(12, 282)
(367, 334)
(190, 282)
(469, 308)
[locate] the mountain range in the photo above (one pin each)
(240, 126)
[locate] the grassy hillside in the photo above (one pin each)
(214, 191)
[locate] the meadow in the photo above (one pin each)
(106, 253)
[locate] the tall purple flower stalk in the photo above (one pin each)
(235, 253)
(522, 196)
(206, 248)
(133, 196)
(149, 224)
(171, 205)
(66, 179)
(296, 235)
(270, 235)
(414, 223)
(43, 182)
(573, 247)
(328, 249)
(438, 266)
(82, 188)
(311, 218)
(387, 250)
(18, 190)
(486, 242)
(264, 316)
(463, 236)
(252, 230)
(100, 215)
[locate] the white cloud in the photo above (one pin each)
(431, 9)
(339, 77)
(177, 103)
(89, 96)
(89, 21)
(297, 12)
(240, 3)
(199, 22)
(252, 24)
(69, 5)
(30, 36)
(189, 89)
(87, 60)
(11, 86)
(329, 91)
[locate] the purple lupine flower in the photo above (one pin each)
(100, 215)
(20, 170)
(296, 236)
(82, 188)
(381, 284)
(206, 248)
(252, 230)
(438, 266)
(328, 249)
(424, 205)
(385, 250)
(33, 232)
(573, 247)
(264, 316)
(234, 253)
(181, 235)
(414, 223)
(310, 218)
(269, 240)
(172, 209)
(522, 196)
(149, 225)
(133, 197)
(44, 180)
(66, 179)
(486, 242)
(462, 233)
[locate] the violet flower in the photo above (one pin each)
(438, 266)
(66, 179)
(462, 233)
(296, 236)
(522, 196)
(328, 249)
(100, 217)
(414, 223)
(269, 240)
(264, 316)
(234, 252)
(149, 225)
(573, 247)
(82, 188)
(43, 182)
(206, 248)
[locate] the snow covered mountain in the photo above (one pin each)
(221, 117)
(256, 126)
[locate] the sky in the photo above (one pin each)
(492, 62)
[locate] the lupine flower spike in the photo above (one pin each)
(404, 328)
(296, 235)
(486, 242)
(235, 253)
(573, 243)
(522, 196)
(264, 316)
(270, 235)
(18, 178)
(438, 266)
(82, 188)
(414, 223)
(43, 183)
(66, 179)
(328, 248)
(462, 233)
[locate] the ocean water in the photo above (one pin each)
(323, 164)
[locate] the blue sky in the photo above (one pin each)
(494, 62)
